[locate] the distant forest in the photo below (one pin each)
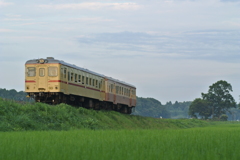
(148, 107)
(151, 107)
(14, 95)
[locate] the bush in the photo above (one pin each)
(224, 117)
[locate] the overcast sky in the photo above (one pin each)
(171, 50)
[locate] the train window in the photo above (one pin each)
(96, 83)
(79, 78)
(102, 83)
(61, 73)
(111, 87)
(90, 81)
(65, 73)
(31, 71)
(76, 80)
(117, 89)
(52, 71)
(86, 80)
(69, 77)
(41, 72)
(83, 79)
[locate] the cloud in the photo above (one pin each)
(3, 4)
(91, 19)
(230, 1)
(16, 19)
(208, 44)
(6, 30)
(93, 6)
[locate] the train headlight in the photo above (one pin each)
(42, 61)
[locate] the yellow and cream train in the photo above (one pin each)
(54, 81)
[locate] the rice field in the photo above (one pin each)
(207, 143)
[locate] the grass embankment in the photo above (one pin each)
(208, 143)
(38, 116)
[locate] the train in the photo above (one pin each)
(53, 81)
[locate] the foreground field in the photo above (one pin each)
(208, 143)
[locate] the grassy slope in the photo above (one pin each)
(19, 117)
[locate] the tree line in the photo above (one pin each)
(14, 95)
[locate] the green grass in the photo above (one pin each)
(208, 143)
(39, 131)
(42, 117)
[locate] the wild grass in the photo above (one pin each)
(208, 143)
(38, 116)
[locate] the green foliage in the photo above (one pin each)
(178, 109)
(39, 116)
(14, 95)
(200, 107)
(224, 117)
(219, 98)
(150, 107)
(216, 102)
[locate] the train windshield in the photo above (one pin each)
(31, 71)
(41, 72)
(52, 71)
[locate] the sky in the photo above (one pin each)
(171, 50)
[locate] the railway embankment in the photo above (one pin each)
(17, 116)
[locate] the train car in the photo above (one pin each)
(54, 81)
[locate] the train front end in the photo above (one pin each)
(42, 79)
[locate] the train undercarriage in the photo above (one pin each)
(79, 101)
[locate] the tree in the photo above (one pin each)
(199, 107)
(219, 98)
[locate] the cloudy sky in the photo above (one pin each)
(171, 50)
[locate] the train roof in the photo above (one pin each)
(52, 60)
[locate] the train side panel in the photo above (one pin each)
(80, 83)
(118, 93)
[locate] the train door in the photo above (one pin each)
(42, 78)
(130, 100)
(114, 94)
(68, 79)
(64, 80)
